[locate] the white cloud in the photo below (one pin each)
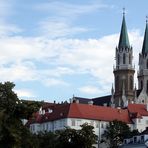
(68, 9)
(24, 93)
(54, 82)
(20, 59)
(55, 28)
(8, 29)
(89, 90)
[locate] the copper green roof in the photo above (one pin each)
(145, 42)
(123, 41)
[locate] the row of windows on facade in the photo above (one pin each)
(135, 139)
(124, 59)
(61, 123)
(92, 123)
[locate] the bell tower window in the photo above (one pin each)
(118, 59)
(117, 83)
(147, 86)
(124, 58)
(129, 58)
(147, 63)
(131, 83)
(141, 84)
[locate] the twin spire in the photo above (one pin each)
(145, 41)
(124, 40)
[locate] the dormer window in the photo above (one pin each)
(50, 110)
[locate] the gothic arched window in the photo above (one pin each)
(141, 84)
(147, 63)
(124, 58)
(117, 83)
(129, 58)
(118, 59)
(131, 82)
(147, 86)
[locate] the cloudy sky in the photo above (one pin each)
(54, 49)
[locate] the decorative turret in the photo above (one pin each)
(112, 97)
(143, 68)
(124, 70)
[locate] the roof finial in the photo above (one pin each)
(123, 11)
(146, 19)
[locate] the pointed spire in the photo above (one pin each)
(145, 41)
(112, 95)
(123, 41)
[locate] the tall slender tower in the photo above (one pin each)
(124, 70)
(143, 68)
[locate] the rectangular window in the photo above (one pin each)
(43, 127)
(92, 123)
(47, 126)
(146, 121)
(139, 120)
(73, 122)
(78, 122)
(55, 124)
(102, 125)
(97, 124)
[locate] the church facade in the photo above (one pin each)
(123, 91)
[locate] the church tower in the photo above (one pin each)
(143, 69)
(124, 70)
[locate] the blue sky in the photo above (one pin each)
(52, 49)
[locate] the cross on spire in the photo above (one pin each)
(123, 10)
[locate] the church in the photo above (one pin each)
(123, 92)
(126, 103)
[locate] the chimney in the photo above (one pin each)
(43, 111)
(90, 102)
(105, 104)
(146, 107)
(77, 101)
(70, 100)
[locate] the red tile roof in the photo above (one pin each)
(94, 112)
(83, 111)
(138, 108)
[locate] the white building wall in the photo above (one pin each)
(141, 124)
(35, 127)
(99, 126)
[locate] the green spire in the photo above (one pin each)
(123, 41)
(145, 42)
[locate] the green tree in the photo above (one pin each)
(47, 140)
(71, 138)
(115, 132)
(87, 136)
(67, 138)
(12, 110)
